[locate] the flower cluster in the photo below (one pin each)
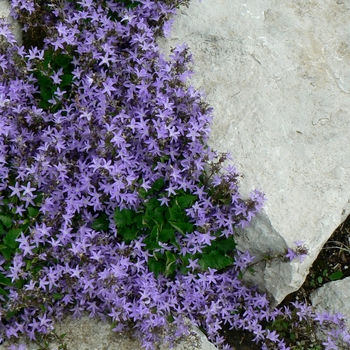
(300, 251)
(92, 116)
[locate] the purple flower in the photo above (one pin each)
(16, 190)
(299, 243)
(119, 120)
(273, 336)
(259, 333)
(164, 201)
(18, 347)
(25, 245)
(330, 344)
(291, 255)
(6, 32)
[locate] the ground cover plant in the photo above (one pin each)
(111, 200)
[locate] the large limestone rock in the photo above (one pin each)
(92, 334)
(5, 14)
(277, 74)
(333, 297)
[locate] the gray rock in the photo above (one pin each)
(15, 27)
(333, 297)
(277, 74)
(92, 334)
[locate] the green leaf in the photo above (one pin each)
(130, 3)
(28, 264)
(25, 225)
(62, 336)
(3, 292)
(45, 83)
(4, 280)
(336, 276)
(42, 307)
(10, 238)
(215, 260)
(62, 60)
(142, 192)
(152, 214)
(57, 296)
(185, 201)
(159, 214)
(123, 217)
(38, 199)
(10, 314)
(152, 204)
(44, 105)
(137, 221)
(47, 57)
(167, 235)
(19, 283)
(156, 265)
(157, 185)
(170, 266)
(46, 96)
(182, 227)
(7, 253)
(151, 245)
(226, 245)
(154, 235)
(176, 213)
(66, 81)
(33, 212)
(36, 269)
(7, 221)
(128, 233)
(101, 223)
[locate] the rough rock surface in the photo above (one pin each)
(333, 297)
(92, 334)
(277, 74)
(5, 13)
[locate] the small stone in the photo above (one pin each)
(277, 75)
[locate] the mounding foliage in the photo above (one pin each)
(111, 200)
